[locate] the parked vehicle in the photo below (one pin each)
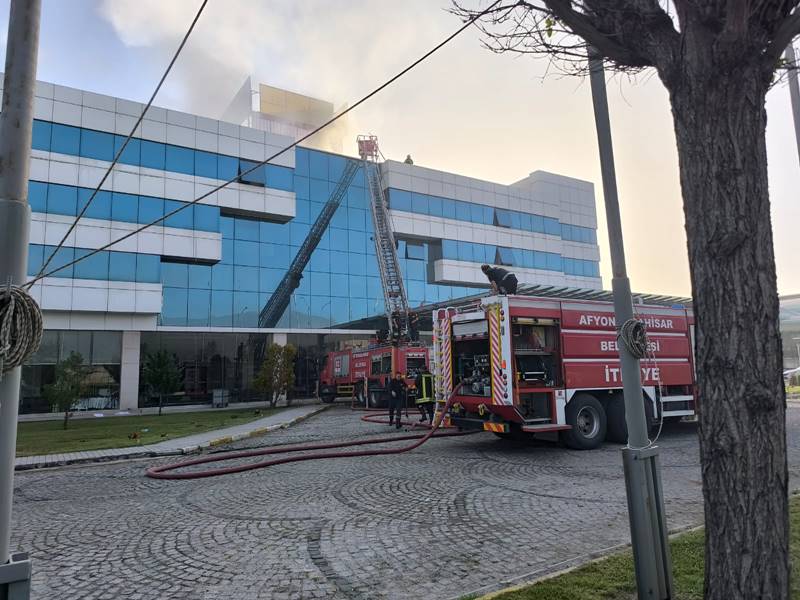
(364, 374)
(524, 366)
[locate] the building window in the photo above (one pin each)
(100, 208)
(101, 353)
(41, 135)
(280, 178)
(415, 251)
(179, 159)
(132, 155)
(505, 256)
(62, 199)
(125, 207)
(148, 268)
(97, 145)
(150, 209)
(205, 164)
(183, 219)
(254, 177)
(122, 266)
(65, 139)
(153, 155)
(93, 267)
(502, 218)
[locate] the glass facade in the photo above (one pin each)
(516, 257)
(341, 282)
(56, 199)
(437, 206)
(99, 145)
(101, 353)
(107, 265)
(230, 361)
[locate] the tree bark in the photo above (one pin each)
(720, 121)
(160, 403)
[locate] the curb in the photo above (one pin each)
(140, 453)
(228, 439)
(566, 566)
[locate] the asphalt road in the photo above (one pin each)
(456, 516)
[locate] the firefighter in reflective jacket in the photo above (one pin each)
(424, 401)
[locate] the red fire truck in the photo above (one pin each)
(549, 367)
(365, 374)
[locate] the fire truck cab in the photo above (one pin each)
(365, 374)
(523, 366)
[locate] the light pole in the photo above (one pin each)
(639, 458)
(796, 341)
(794, 91)
(16, 122)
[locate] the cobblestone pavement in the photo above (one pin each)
(447, 519)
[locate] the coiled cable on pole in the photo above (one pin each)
(633, 335)
(20, 327)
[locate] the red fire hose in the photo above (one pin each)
(166, 471)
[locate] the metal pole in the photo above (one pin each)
(794, 91)
(645, 501)
(16, 121)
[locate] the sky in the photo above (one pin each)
(465, 110)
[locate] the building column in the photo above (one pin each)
(279, 338)
(129, 375)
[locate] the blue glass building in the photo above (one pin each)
(195, 283)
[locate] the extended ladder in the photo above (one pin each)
(394, 292)
(276, 306)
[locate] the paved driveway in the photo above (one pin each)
(450, 518)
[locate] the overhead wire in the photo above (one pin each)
(124, 144)
(258, 165)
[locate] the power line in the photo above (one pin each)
(125, 143)
(388, 82)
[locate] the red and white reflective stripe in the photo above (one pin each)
(447, 377)
(498, 385)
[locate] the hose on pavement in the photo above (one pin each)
(168, 471)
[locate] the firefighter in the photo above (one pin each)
(502, 281)
(397, 398)
(424, 400)
(413, 327)
(397, 330)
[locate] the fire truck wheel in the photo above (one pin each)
(588, 419)
(617, 427)
(327, 398)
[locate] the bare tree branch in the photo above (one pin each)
(605, 43)
(788, 30)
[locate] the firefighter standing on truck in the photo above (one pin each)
(502, 281)
(424, 400)
(397, 397)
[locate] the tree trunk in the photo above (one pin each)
(720, 122)
(160, 403)
(66, 418)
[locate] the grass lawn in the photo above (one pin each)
(793, 389)
(49, 437)
(613, 579)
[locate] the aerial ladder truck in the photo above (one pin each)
(279, 301)
(365, 374)
(394, 294)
